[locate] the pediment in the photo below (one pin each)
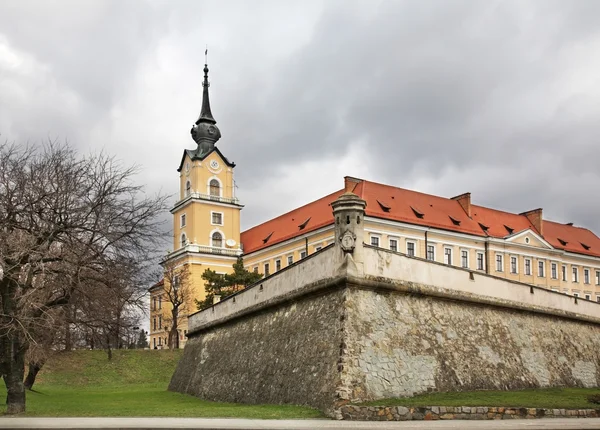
(529, 238)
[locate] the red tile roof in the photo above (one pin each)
(412, 207)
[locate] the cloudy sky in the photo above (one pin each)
(499, 98)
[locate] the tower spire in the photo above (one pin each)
(204, 131)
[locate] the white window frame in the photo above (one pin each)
(597, 277)
(184, 240)
(516, 260)
(375, 237)
(575, 274)
(462, 256)
(223, 238)
(303, 254)
(588, 296)
(182, 220)
(541, 268)
(393, 239)
(499, 261)
(575, 294)
(266, 269)
(598, 297)
(278, 265)
(290, 260)
(553, 270)
(433, 247)
(414, 244)
(448, 255)
(212, 213)
(482, 261)
(220, 186)
(527, 271)
(586, 275)
(564, 272)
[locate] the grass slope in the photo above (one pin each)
(134, 383)
(552, 398)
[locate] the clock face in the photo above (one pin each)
(214, 164)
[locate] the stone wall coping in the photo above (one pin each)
(433, 413)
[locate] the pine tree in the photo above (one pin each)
(225, 285)
(142, 341)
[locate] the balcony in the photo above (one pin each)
(200, 196)
(204, 249)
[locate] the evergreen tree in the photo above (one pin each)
(142, 341)
(225, 285)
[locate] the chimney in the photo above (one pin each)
(535, 217)
(350, 183)
(464, 200)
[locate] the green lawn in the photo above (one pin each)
(134, 383)
(552, 398)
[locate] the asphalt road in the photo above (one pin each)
(238, 424)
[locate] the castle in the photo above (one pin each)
(524, 248)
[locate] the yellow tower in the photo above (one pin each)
(206, 226)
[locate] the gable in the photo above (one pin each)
(530, 238)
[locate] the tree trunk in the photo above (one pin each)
(34, 369)
(108, 348)
(174, 332)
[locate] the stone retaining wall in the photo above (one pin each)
(402, 413)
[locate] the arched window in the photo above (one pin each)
(183, 240)
(217, 240)
(188, 188)
(215, 188)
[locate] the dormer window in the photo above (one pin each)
(217, 240)
(188, 188)
(215, 188)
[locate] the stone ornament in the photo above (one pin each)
(348, 241)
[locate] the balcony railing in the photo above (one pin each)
(209, 250)
(194, 195)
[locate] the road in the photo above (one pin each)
(238, 424)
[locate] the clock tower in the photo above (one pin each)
(206, 220)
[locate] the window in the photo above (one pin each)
(318, 248)
(564, 272)
(575, 294)
(217, 240)
(266, 269)
(554, 269)
(255, 269)
(290, 260)
(480, 261)
(588, 297)
(214, 187)
(586, 276)
(410, 249)
(183, 240)
(182, 220)
(431, 252)
(447, 255)
(159, 322)
(598, 298)
(154, 304)
(277, 265)
(302, 254)
(499, 263)
(154, 322)
(541, 269)
(597, 277)
(217, 218)
(575, 274)
(394, 245)
(160, 302)
(513, 265)
(188, 188)
(528, 266)
(375, 240)
(154, 340)
(464, 258)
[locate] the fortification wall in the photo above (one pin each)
(288, 354)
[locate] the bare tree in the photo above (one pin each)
(64, 220)
(178, 293)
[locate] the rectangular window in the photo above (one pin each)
(541, 269)
(586, 276)
(217, 218)
(154, 341)
(588, 296)
(499, 263)
(447, 255)
(266, 269)
(290, 260)
(554, 269)
(182, 220)
(255, 269)
(464, 258)
(375, 240)
(318, 248)
(154, 322)
(302, 254)
(431, 252)
(575, 294)
(564, 272)
(394, 245)
(513, 265)
(528, 266)
(159, 322)
(575, 274)
(159, 302)
(597, 277)
(154, 304)
(277, 265)
(410, 249)
(598, 299)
